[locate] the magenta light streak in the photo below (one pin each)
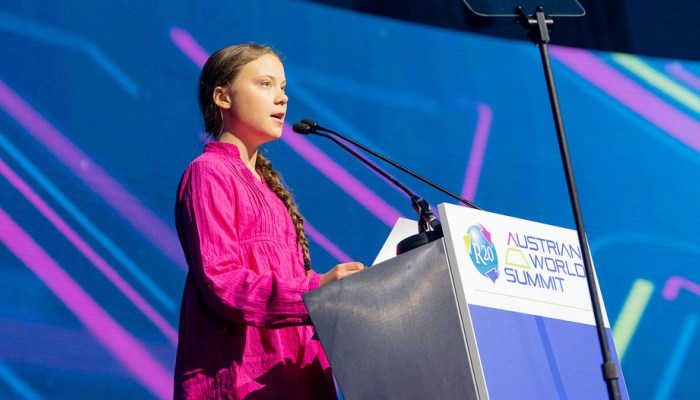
(677, 70)
(476, 154)
(113, 193)
(337, 174)
(119, 342)
(70, 349)
(674, 285)
(340, 177)
(89, 253)
(186, 43)
(327, 245)
(631, 94)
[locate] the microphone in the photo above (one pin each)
(311, 123)
(422, 208)
(309, 126)
(302, 128)
(429, 227)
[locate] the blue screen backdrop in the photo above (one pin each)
(99, 118)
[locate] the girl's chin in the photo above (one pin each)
(271, 135)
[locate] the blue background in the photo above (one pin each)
(111, 79)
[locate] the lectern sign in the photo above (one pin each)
(518, 265)
(523, 300)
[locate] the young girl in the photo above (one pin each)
(244, 330)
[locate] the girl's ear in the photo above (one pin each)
(221, 97)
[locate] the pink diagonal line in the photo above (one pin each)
(677, 70)
(111, 191)
(476, 154)
(117, 340)
(327, 245)
(186, 43)
(647, 105)
(89, 253)
(337, 174)
(675, 283)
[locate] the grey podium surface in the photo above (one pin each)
(393, 331)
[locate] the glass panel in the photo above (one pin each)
(506, 8)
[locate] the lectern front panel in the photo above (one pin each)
(393, 331)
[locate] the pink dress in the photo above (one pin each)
(244, 330)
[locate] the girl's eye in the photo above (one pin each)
(266, 83)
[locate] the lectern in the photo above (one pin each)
(497, 309)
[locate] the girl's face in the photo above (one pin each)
(258, 102)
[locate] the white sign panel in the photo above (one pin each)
(517, 265)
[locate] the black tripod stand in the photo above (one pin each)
(537, 26)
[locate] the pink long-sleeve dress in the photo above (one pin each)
(244, 330)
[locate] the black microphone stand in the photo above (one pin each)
(429, 227)
(316, 127)
(538, 31)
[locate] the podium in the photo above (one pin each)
(497, 309)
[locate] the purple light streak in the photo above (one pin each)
(119, 342)
(327, 245)
(70, 349)
(476, 154)
(338, 175)
(677, 70)
(99, 263)
(186, 43)
(631, 94)
(97, 179)
(674, 285)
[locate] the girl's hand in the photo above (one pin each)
(340, 271)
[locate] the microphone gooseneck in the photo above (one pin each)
(309, 126)
(428, 225)
(422, 208)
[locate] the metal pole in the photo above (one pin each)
(539, 33)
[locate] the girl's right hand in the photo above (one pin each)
(340, 271)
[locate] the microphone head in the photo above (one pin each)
(302, 128)
(310, 122)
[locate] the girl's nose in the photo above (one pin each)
(282, 98)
